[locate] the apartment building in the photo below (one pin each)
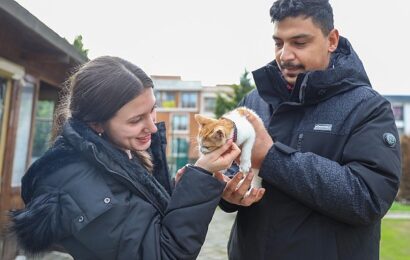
(178, 101)
(401, 110)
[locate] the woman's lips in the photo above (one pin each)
(145, 139)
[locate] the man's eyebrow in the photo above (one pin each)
(298, 36)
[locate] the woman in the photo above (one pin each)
(98, 194)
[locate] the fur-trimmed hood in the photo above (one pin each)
(78, 144)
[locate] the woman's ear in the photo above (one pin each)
(97, 127)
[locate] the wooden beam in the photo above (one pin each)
(45, 57)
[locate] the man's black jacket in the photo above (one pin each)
(332, 173)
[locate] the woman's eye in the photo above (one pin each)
(134, 121)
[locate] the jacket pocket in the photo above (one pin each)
(83, 210)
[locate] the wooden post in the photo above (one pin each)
(9, 251)
(404, 190)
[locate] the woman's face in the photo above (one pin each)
(133, 124)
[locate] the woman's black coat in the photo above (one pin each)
(88, 197)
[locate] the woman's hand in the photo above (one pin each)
(219, 159)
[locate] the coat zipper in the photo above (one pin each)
(299, 143)
(153, 202)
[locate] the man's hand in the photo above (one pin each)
(236, 189)
(263, 141)
(179, 174)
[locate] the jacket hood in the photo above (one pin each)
(77, 138)
(78, 143)
(345, 72)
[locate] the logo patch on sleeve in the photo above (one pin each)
(389, 139)
(322, 127)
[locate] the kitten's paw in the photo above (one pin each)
(245, 167)
(256, 182)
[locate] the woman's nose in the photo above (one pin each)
(152, 128)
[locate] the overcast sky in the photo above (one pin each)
(214, 41)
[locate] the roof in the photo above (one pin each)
(36, 32)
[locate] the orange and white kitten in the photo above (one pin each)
(213, 133)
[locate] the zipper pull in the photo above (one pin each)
(299, 144)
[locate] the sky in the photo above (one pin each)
(214, 41)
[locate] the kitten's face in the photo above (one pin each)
(213, 133)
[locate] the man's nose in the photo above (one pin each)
(287, 53)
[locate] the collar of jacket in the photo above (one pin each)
(77, 138)
(345, 72)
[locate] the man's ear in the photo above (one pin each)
(97, 127)
(333, 38)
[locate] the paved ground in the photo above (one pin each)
(213, 249)
(216, 240)
(398, 215)
(217, 237)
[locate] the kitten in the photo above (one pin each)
(213, 133)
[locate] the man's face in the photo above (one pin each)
(301, 46)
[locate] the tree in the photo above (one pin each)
(227, 101)
(79, 46)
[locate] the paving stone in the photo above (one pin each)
(216, 240)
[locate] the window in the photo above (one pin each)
(165, 99)
(398, 112)
(179, 154)
(43, 126)
(179, 147)
(180, 122)
(188, 100)
(209, 104)
(23, 133)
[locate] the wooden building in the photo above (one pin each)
(34, 62)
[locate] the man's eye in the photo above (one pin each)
(300, 43)
(278, 44)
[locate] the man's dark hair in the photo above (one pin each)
(319, 10)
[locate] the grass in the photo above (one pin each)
(395, 237)
(395, 240)
(398, 207)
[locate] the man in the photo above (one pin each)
(330, 157)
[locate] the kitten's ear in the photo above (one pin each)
(202, 120)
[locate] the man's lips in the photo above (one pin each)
(291, 72)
